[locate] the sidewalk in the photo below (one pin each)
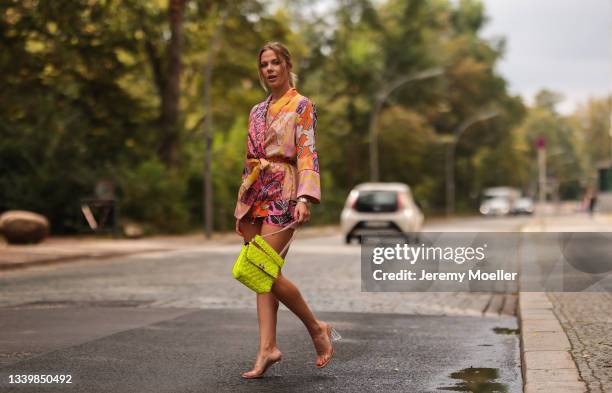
(566, 338)
(64, 249)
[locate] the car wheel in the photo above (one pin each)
(347, 239)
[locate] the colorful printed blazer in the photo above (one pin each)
(281, 161)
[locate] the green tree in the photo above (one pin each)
(565, 166)
(592, 123)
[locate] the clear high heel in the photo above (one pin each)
(267, 365)
(334, 336)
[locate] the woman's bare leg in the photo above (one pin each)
(285, 291)
(267, 308)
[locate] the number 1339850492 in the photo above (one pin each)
(40, 378)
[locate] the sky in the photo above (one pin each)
(563, 45)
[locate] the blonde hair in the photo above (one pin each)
(283, 53)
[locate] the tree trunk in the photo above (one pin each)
(169, 117)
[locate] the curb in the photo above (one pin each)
(547, 364)
(12, 266)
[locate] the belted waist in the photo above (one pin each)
(259, 164)
(264, 161)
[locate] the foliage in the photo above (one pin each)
(153, 194)
(88, 93)
(566, 168)
(592, 124)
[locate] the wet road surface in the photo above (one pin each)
(177, 322)
(207, 350)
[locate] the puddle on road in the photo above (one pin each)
(501, 330)
(477, 380)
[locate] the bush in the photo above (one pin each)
(155, 195)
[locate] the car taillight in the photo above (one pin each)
(353, 202)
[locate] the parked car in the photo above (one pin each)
(380, 209)
(498, 201)
(522, 206)
(495, 207)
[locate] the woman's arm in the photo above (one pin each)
(309, 183)
(309, 187)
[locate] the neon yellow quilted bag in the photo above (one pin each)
(258, 264)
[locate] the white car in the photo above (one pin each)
(522, 206)
(495, 207)
(380, 209)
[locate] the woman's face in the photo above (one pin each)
(273, 70)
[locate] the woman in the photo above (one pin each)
(279, 181)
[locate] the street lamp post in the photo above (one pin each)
(381, 97)
(541, 146)
(450, 156)
(610, 127)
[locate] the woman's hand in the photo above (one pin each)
(302, 213)
(238, 231)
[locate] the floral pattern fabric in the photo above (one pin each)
(281, 162)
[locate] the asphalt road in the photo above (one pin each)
(206, 351)
(177, 322)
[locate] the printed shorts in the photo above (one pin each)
(279, 213)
